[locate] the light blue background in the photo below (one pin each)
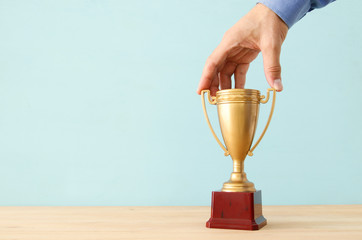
(98, 105)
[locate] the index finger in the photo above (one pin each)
(211, 69)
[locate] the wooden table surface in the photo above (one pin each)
(103, 223)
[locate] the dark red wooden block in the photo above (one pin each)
(236, 210)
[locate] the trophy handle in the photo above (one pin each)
(262, 100)
(212, 100)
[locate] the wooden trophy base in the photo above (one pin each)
(236, 210)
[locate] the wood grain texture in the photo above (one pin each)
(103, 223)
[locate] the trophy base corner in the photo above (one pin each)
(236, 210)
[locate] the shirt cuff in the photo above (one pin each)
(290, 11)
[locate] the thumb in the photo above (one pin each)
(272, 68)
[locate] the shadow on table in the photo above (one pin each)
(287, 225)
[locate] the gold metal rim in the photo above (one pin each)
(238, 90)
(238, 96)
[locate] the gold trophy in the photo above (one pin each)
(238, 205)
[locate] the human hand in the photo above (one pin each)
(259, 30)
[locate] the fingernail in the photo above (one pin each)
(278, 84)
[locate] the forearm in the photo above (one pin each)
(291, 11)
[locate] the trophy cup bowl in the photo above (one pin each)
(238, 205)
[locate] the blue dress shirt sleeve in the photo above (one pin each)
(291, 11)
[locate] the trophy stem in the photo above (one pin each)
(238, 166)
(238, 181)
